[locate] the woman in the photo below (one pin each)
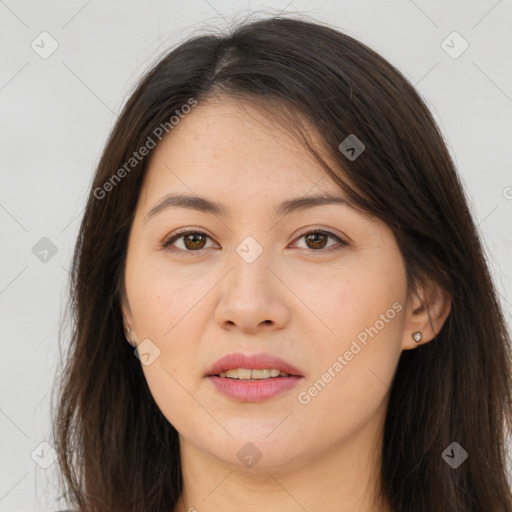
(280, 299)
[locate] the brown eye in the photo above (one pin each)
(193, 241)
(317, 239)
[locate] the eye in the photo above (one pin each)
(316, 240)
(194, 241)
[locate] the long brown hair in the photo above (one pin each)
(117, 451)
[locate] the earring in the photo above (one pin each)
(416, 336)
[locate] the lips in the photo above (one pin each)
(253, 362)
(253, 390)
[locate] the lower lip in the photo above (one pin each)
(254, 390)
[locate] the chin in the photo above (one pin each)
(252, 450)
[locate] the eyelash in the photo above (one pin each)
(180, 234)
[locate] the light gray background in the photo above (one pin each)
(57, 112)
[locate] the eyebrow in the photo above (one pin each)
(205, 205)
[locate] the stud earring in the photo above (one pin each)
(416, 336)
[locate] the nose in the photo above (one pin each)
(251, 298)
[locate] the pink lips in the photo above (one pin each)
(253, 390)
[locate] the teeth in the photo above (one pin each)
(240, 373)
(248, 374)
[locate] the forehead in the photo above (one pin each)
(232, 149)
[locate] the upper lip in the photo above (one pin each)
(253, 362)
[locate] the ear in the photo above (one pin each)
(427, 311)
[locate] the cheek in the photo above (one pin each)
(165, 298)
(362, 300)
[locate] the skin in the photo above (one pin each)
(295, 301)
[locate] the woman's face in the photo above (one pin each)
(321, 287)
